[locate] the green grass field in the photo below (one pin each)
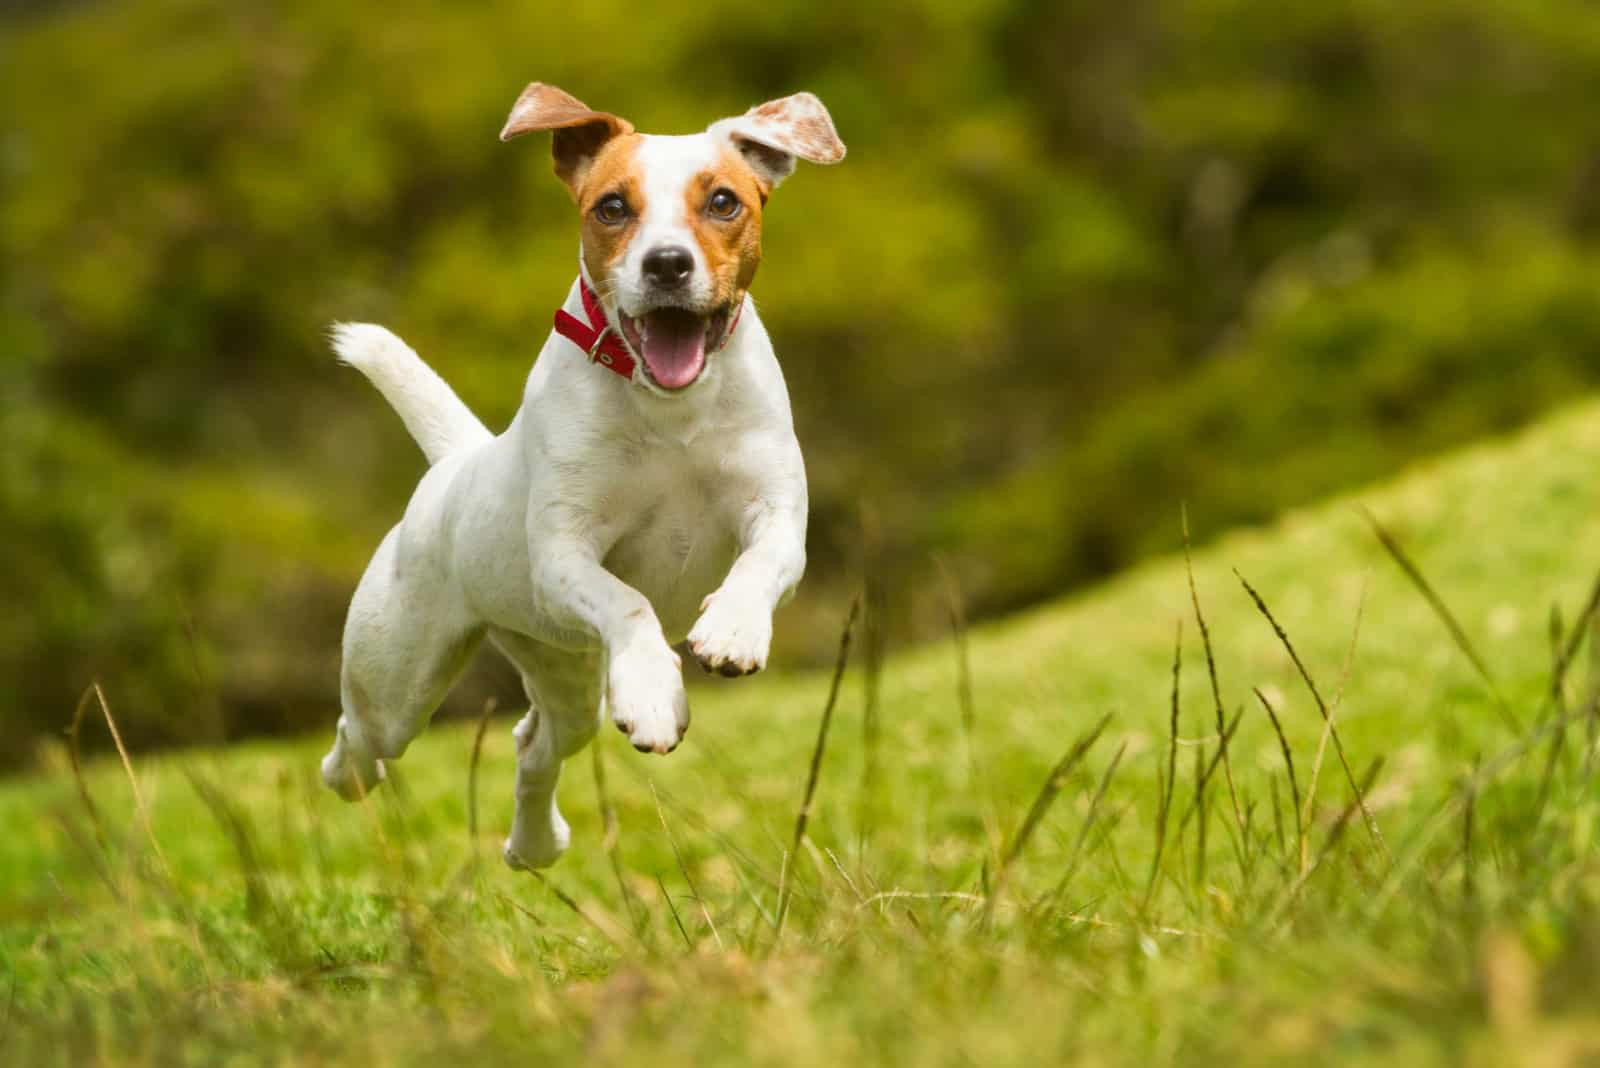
(253, 917)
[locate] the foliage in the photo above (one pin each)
(256, 919)
(1084, 261)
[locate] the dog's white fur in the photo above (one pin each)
(609, 519)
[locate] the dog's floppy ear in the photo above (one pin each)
(580, 131)
(773, 135)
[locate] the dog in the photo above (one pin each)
(649, 489)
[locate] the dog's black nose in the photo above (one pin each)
(668, 266)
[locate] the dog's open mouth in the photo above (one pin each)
(674, 342)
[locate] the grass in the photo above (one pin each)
(986, 873)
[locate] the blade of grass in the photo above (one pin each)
(610, 838)
(874, 621)
(1167, 782)
(1277, 816)
(964, 702)
(1088, 824)
(677, 921)
(602, 921)
(1586, 618)
(101, 856)
(1335, 833)
(742, 859)
(1469, 880)
(1198, 804)
(1048, 791)
(1205, 769)
(1592, 723)
(1557, 699)
(472, 774)
(1211, 670)
(683, 868)
(1333, 732)
(838, 866)
(169, 882)
(1452, 625)
(1288, 760)
(804, 815)
(1309, 805)
(139, 805)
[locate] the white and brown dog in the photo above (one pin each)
(649, 487)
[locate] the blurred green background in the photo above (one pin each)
(1085, 261)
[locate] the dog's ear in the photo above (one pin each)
(773, 135)
(580, 131)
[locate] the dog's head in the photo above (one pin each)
(672, 225)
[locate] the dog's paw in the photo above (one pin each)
(644, 690)
(351, 773)
(732, 635)
(527, 850)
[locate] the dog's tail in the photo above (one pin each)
(430, 409)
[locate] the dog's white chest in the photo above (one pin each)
(677, 539)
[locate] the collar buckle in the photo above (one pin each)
(595, 338)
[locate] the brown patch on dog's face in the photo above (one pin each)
(613, 174)
(730, 242)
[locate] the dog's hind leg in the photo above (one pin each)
(406, 640)
(564, 698)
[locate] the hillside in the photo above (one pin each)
(276, 923)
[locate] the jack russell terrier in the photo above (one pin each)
(649, 487)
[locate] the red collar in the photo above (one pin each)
(596, 338)
(602, 344)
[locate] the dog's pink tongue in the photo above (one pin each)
(674, 347)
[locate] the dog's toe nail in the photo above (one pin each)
(730, 670)
(643, 747)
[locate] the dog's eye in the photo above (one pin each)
(611, 209)
(723, 204)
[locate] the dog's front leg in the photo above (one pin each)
(734, 630)
(644, 677)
